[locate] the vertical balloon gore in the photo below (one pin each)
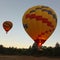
(7, 25)
(39, 22)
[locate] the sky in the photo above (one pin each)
(13, 10)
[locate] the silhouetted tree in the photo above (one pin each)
(57, 45)
(1, 49)
(57, 49)
(33, 51)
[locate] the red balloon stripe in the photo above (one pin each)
(43, 33)
(39, 18)
(27, 16)
(32, 16)
(46, 32)
(39, 39)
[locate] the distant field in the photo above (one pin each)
(26, 58)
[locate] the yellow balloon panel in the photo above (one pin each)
(39, 22)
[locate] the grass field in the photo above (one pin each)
(26, 58)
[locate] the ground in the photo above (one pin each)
(26, 58)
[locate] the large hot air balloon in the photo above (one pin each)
(7, 25)
(39, 22)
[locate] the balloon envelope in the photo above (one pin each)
(7, 25)
(39, 22)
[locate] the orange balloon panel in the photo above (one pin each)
(39, 22)
(7, 25)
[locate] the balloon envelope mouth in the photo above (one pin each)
(40, 41)
(39, 44)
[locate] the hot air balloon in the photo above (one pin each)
(7, 25)
(39, 22)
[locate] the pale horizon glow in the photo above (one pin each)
(13, 10)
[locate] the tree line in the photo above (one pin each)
(32, 51)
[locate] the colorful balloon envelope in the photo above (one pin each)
(39, 22)
(7, 25)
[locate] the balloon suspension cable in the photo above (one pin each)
(40, 47)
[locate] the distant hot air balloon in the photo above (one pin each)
(39, 22)
(7, 25)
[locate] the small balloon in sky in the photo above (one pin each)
(7, 25)
(39, 22)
